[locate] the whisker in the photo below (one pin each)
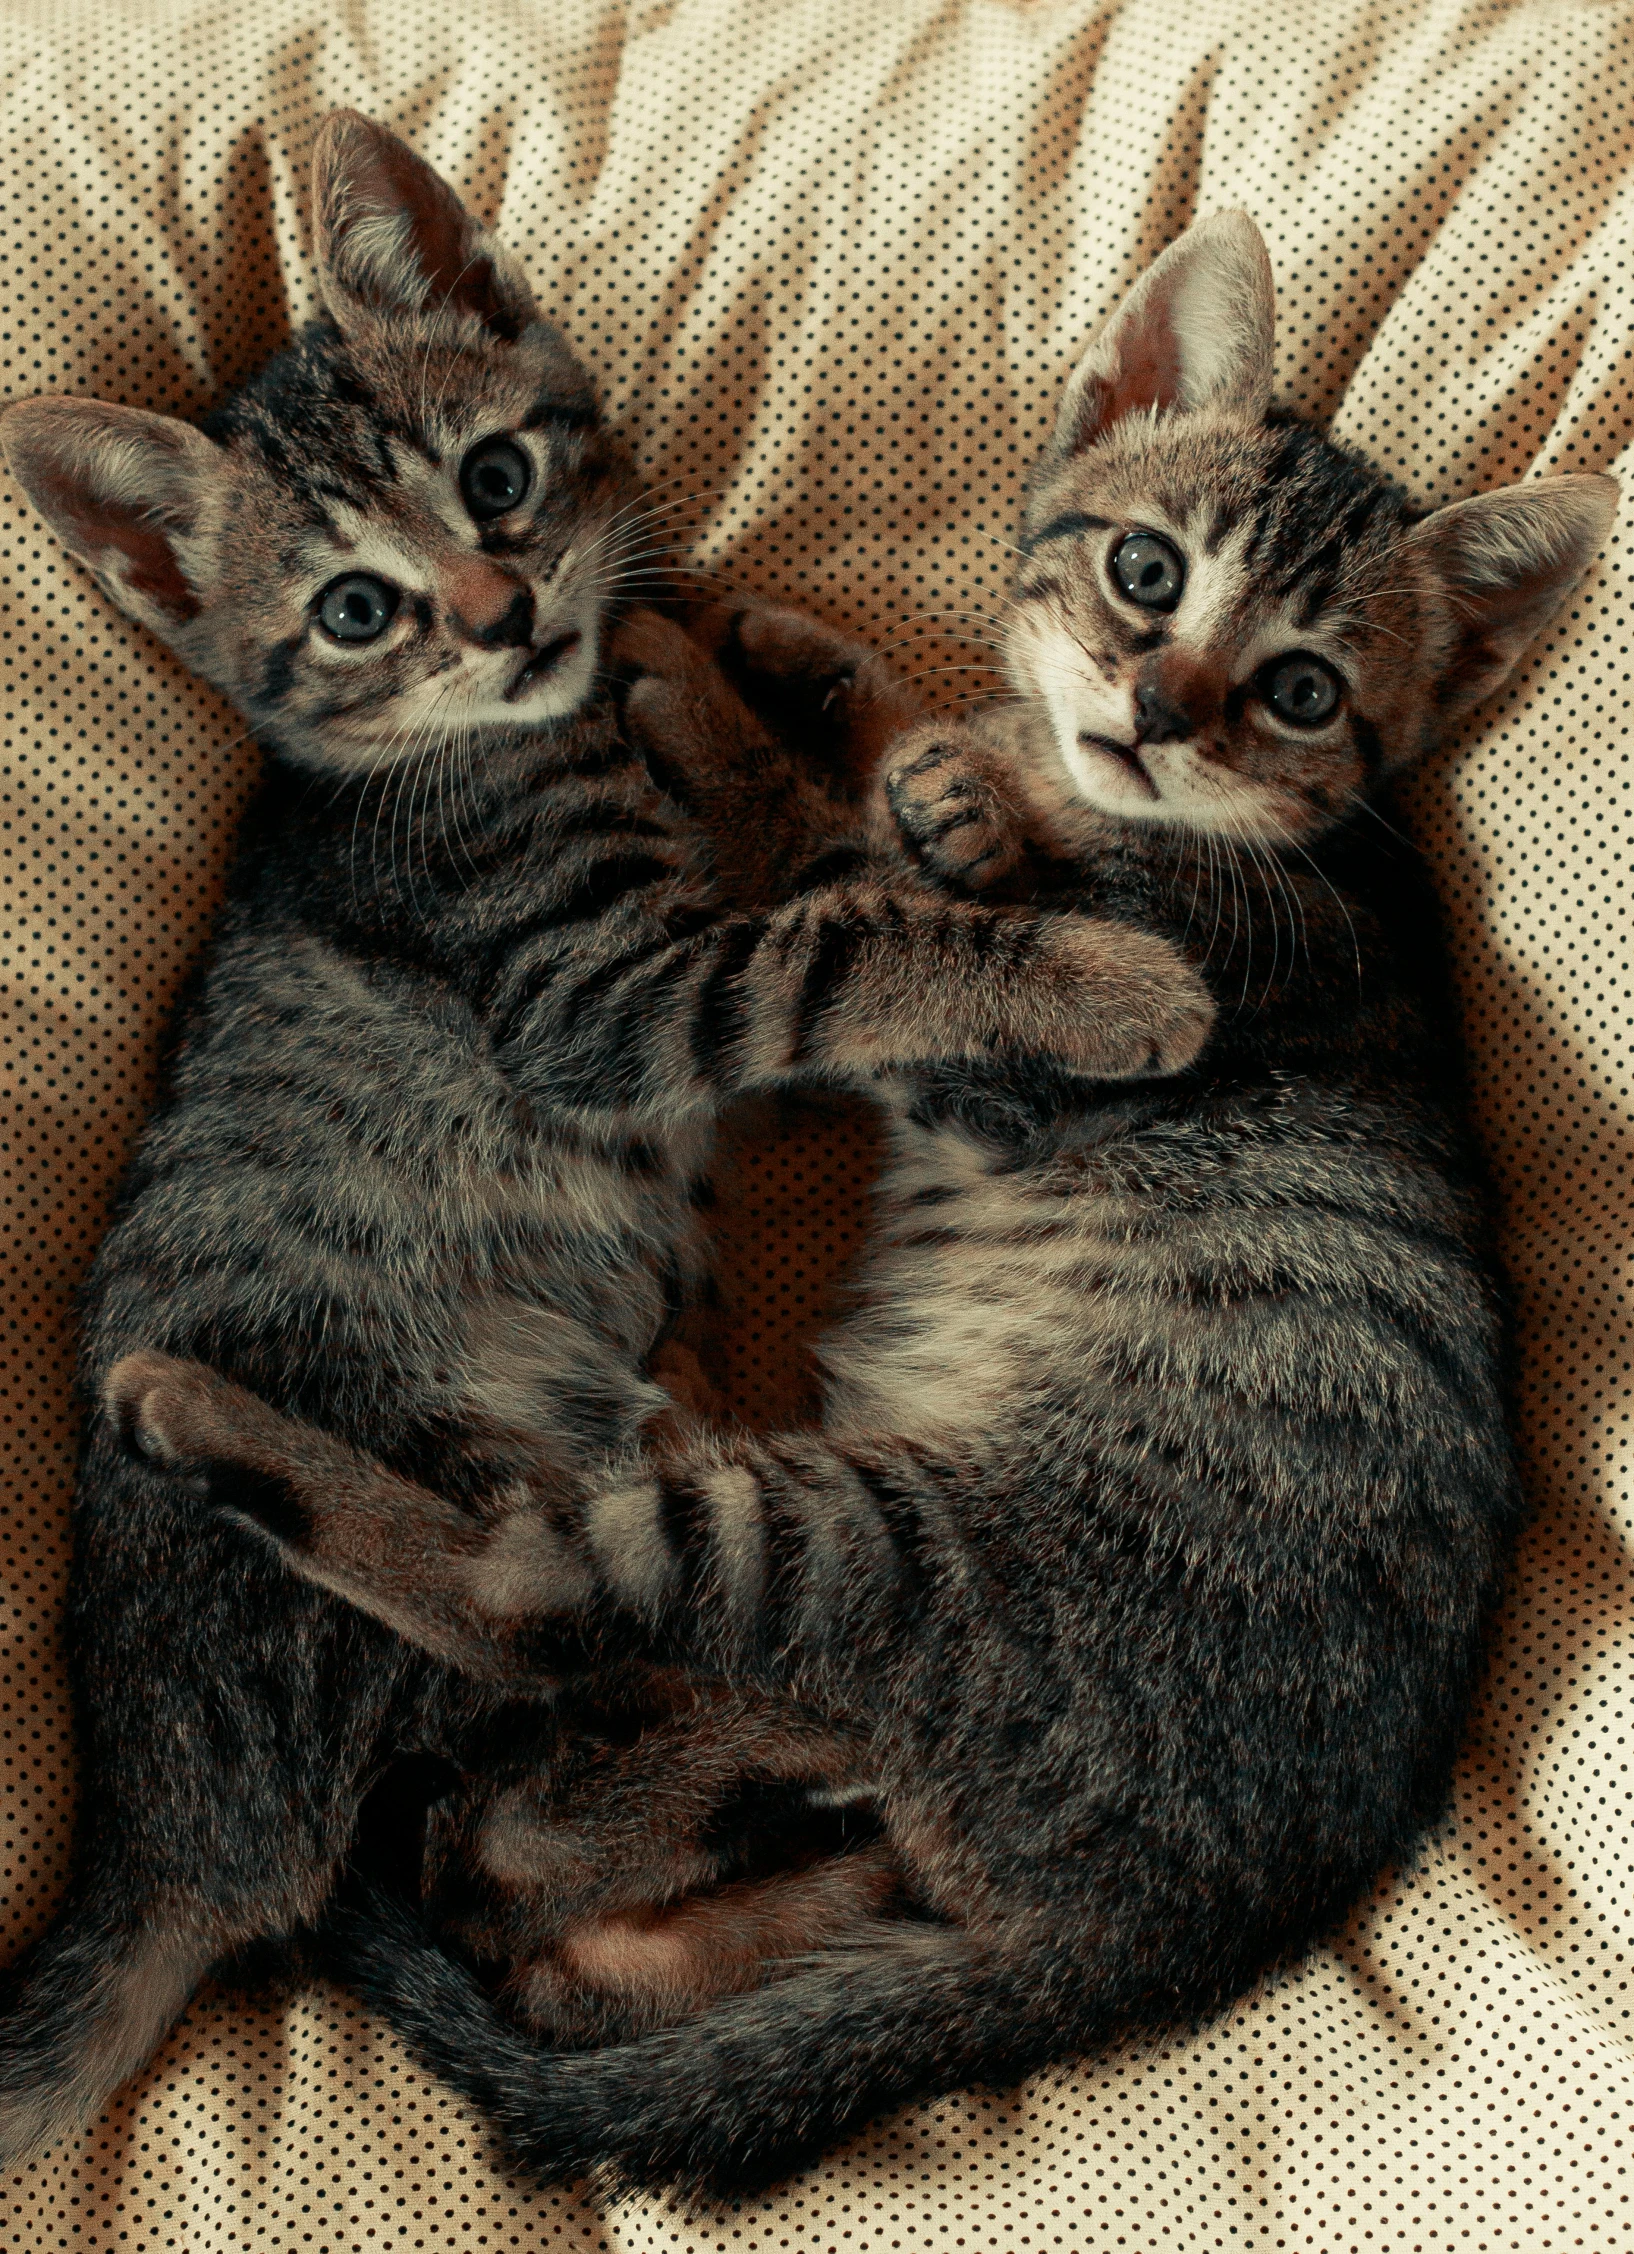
(644, 508)
(377, 766)
(1339, 900)
(915, 618)
(1268, 867)
(1251, 848)
(960, 699)
(982, 534)
(929, 672)
(1367, 807)
(936, 634)
(1196, 886)
(402, 770)
(1296, 907)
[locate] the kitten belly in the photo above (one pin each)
(974, 1276)
(539, 1356)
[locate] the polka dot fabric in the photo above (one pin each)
(832, 259)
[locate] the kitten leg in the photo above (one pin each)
(359, 1530)
(796, 1560)
(655, 1967)
(849, 979)
(618, 1888)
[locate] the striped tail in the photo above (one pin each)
(791, 1553)
(742, 2094)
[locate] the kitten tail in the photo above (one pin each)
(81, 2012)
(739, 2095)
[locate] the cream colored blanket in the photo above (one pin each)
(832, 259)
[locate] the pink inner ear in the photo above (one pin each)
(1148, 371)
(394, 179)
(150, 570)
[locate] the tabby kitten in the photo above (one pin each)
(1165, 1484)
(426, 1167)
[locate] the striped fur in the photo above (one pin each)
(1164, 1485)
(427, 1166)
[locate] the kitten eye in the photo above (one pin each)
(494, 477)
(357, 608)
(1302, 689)
(1149, 571)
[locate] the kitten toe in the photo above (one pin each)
(1187, 1021)
(1145, 1011)
(825, 691)
(787, 645)
(1169, 1024)
(159, 1406)
(949, 817)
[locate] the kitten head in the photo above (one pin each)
(404, 527)
(1233, 624)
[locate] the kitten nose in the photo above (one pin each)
(1178, 696)
(1159, 719)
(487, 606)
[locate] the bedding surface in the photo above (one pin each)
(832, 260)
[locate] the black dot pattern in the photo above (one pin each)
(832, 260)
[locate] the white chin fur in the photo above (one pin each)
(1106, 784)
(561, 692)
(1190, 791)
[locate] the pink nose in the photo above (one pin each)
(1177, 696)
(485, 605)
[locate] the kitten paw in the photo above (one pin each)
(1149, 1012)
(949, 814)
(168, 1410)
(770, 645)
(826, 693)
(680, 712)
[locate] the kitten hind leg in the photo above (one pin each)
(633, 1971)
(438, 1576)
(214, 1807)
(644, 1878)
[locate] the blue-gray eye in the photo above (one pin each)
(357, 608)
(1149, 571)
(1302, 689)
(494, 477)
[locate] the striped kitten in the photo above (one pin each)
(426, 1167)
(1164, 1486)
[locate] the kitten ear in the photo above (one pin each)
(393, 238)
(123, 491)
(1507, 561)
(1195, 331)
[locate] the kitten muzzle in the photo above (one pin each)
(1128, 758)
